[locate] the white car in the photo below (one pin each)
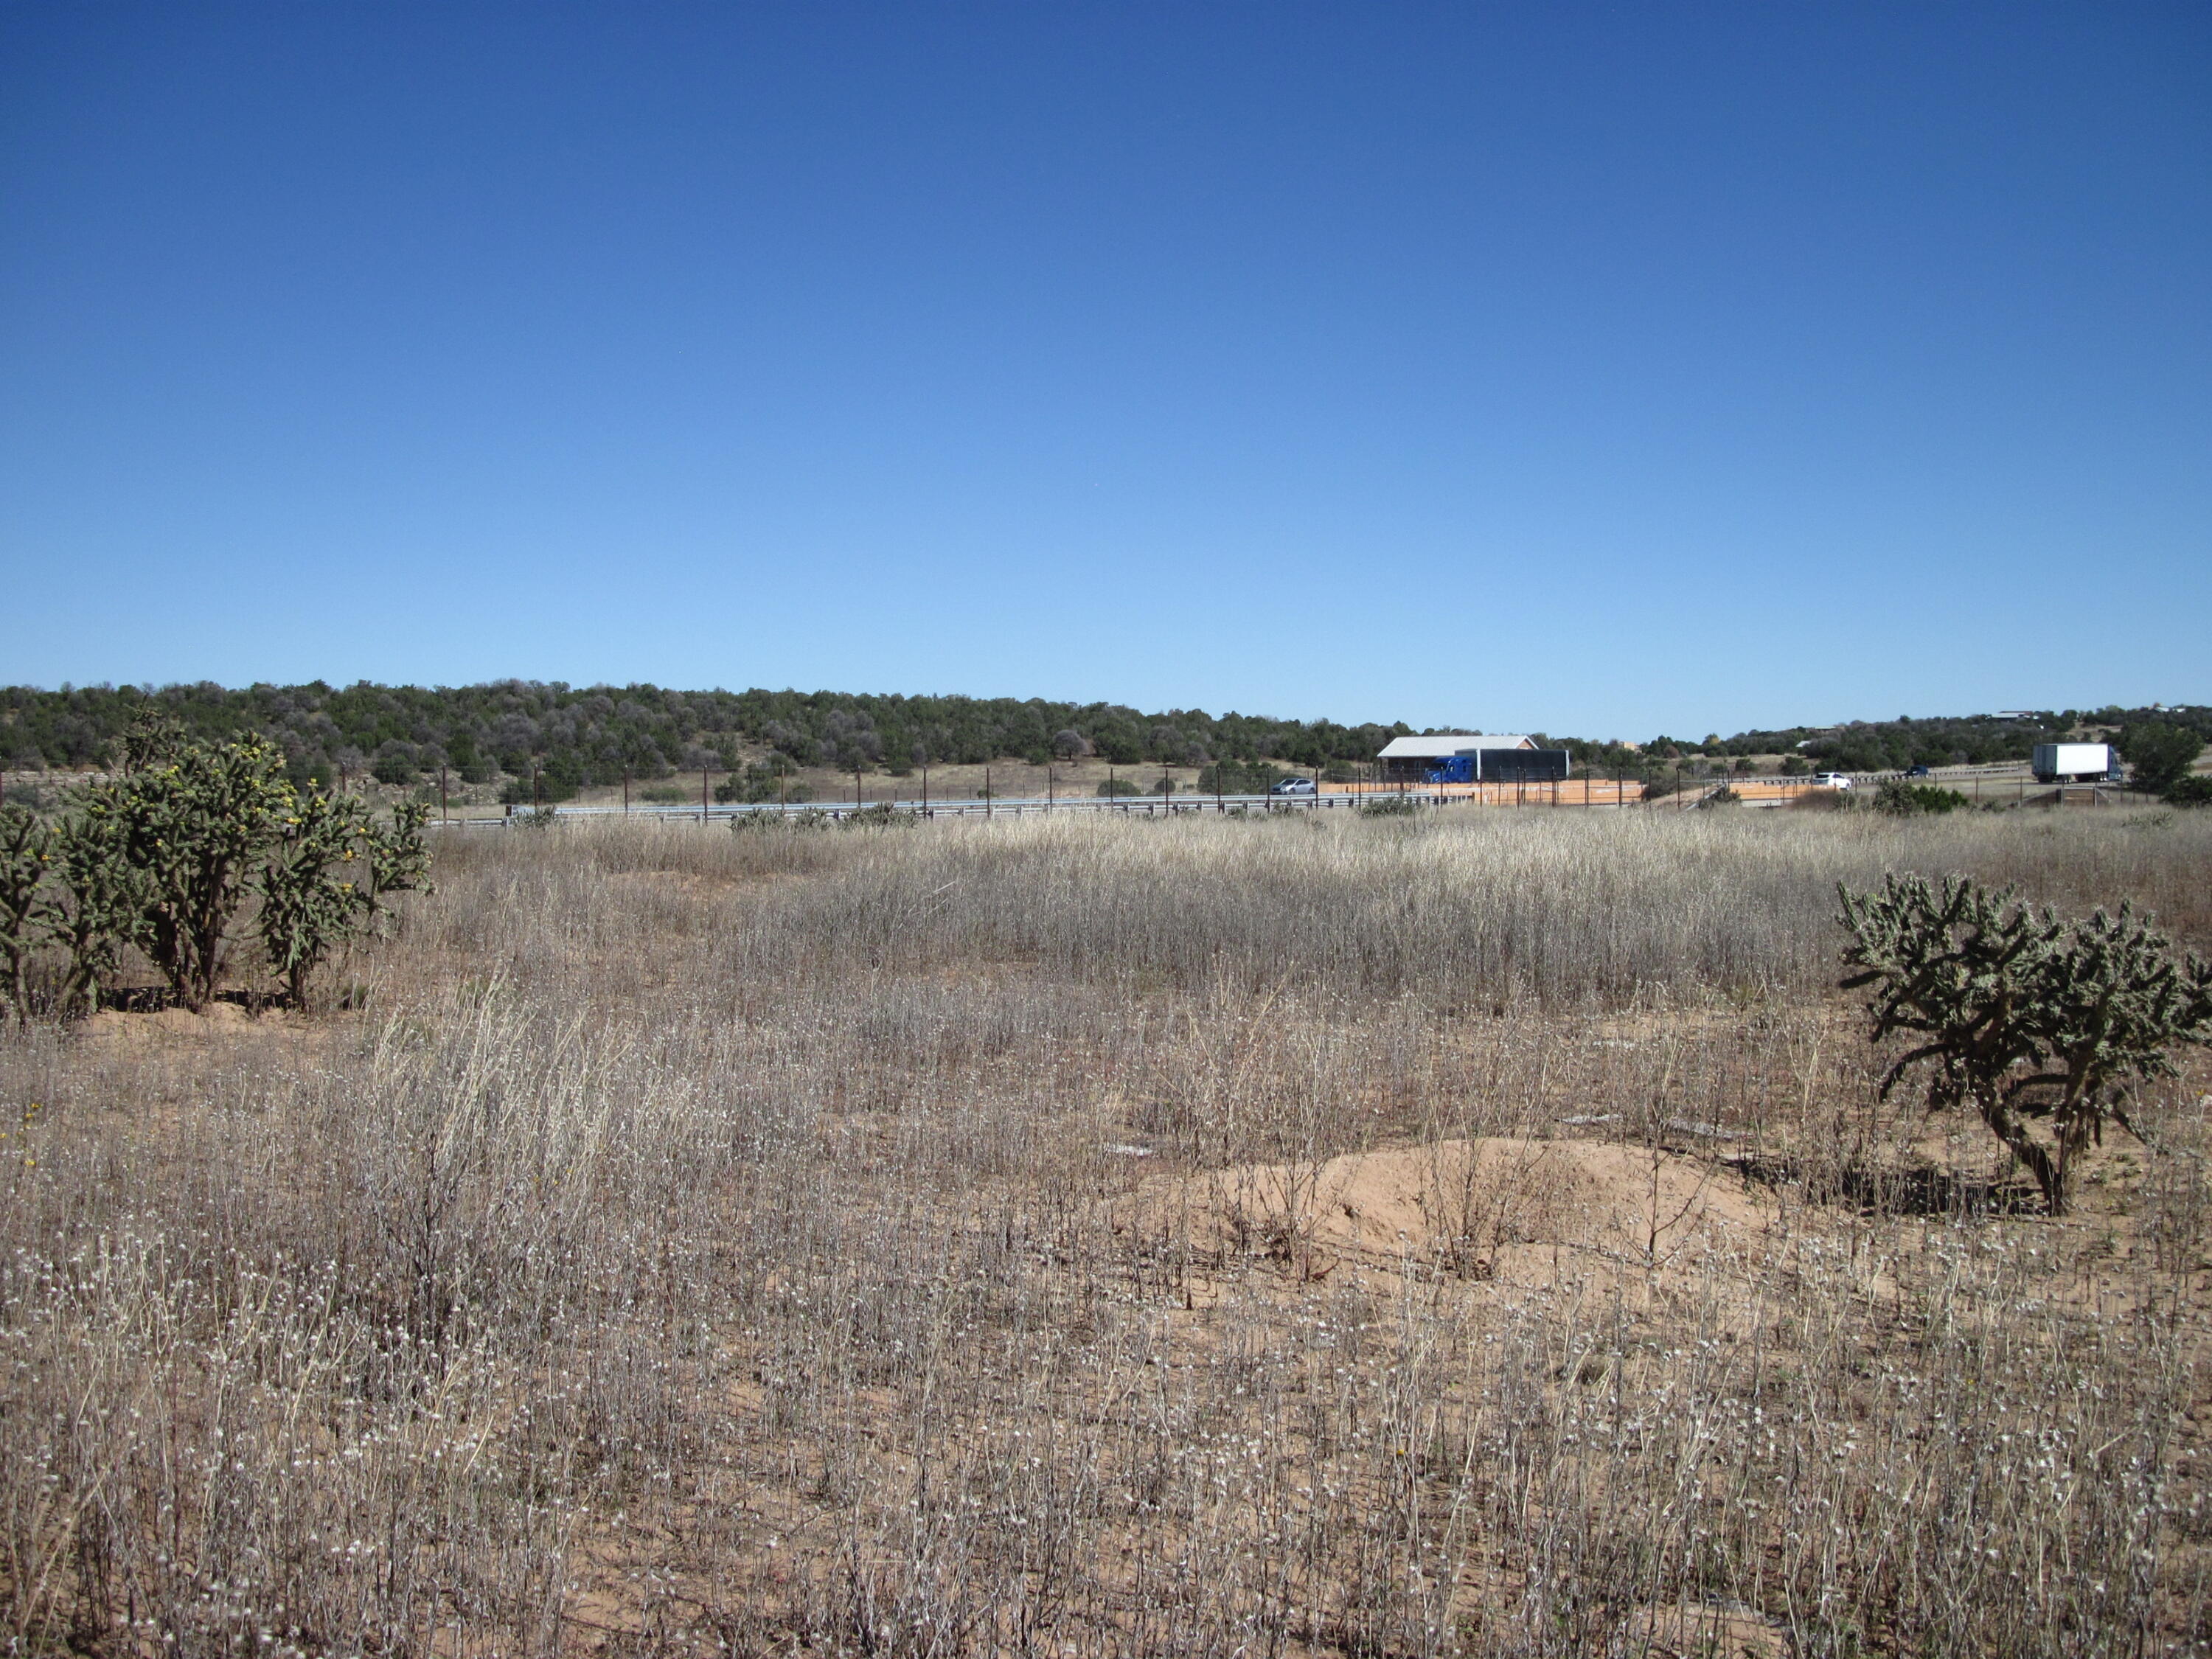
(1832, 780)
(1292, 787)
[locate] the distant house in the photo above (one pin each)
(1470, 758)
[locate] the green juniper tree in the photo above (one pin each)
(1901, 799)
(2159, 754)
(2021, 1015)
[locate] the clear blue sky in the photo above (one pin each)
(1603, 370)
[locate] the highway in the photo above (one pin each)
(1976, 782)
(1026, 806)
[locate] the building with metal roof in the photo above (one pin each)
(1470, 758)
(1437, 745)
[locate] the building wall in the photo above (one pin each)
(1495, 765)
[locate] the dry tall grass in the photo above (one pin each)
(921, 1241)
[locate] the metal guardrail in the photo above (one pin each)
(1025, 806)
(1619, 795)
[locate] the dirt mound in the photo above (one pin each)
(219, 1019)
(1484, 1209)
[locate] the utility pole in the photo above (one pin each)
(925, 789)
(445, 812)
(987, 789)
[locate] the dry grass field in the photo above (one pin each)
(1311, 1236)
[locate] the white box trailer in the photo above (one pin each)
(2073, 762)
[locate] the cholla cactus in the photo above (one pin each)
(2118, 1003)
(2022, 1015)
(197, 822)
(328, 879)
(26, 860)
(100, 904)
(164, 856)
(152, 738)
(307, 903)
(398, 860)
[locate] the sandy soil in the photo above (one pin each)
(1494, 1208)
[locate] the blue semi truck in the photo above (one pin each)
(1500, 766)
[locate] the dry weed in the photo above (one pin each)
(725, 1244)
